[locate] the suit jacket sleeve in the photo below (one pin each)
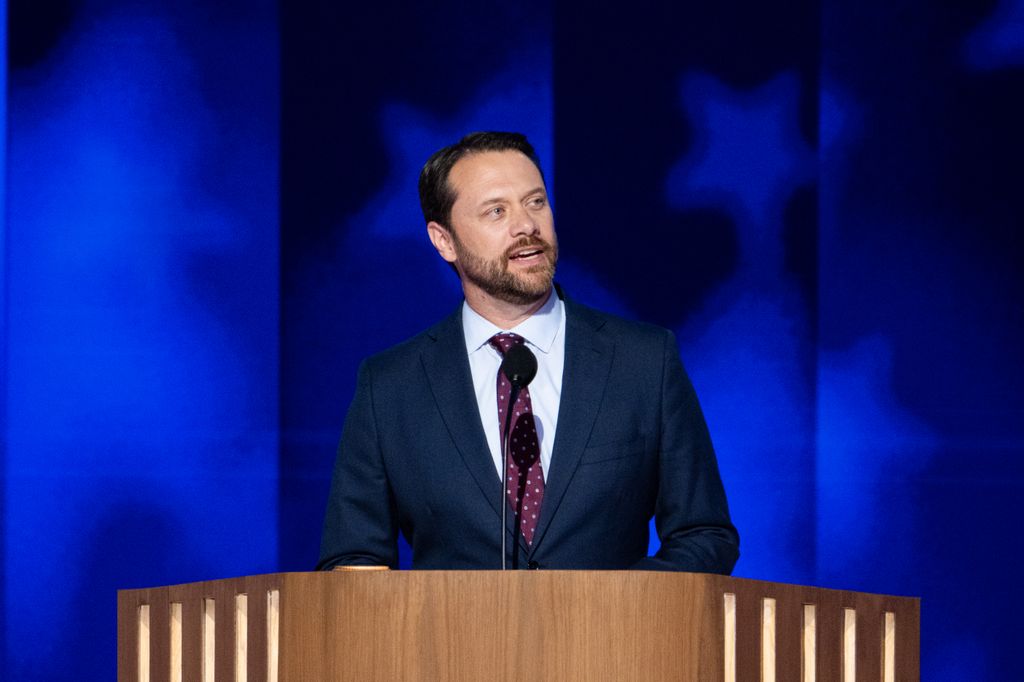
(360, 526)
(691, 512)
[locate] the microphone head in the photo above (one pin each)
(519, 366)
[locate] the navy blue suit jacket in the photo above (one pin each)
(630, 443)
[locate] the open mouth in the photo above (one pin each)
(526, 254)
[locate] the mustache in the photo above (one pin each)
(524, 242)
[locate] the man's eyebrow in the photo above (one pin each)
(501, 199)
(493, 200)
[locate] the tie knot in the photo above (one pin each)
(505, 340)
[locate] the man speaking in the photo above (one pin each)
(603, 433)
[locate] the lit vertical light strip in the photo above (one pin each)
(208, 658)
(810, 643)
(175, 634)
(849, 645)
(273, 630)
(5, 359)
(241, 637)
(767, 640)
(143, 643)
(889, 648)
(730, 637)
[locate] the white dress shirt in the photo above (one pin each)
(544, 332)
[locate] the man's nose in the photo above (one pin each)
(523, 223)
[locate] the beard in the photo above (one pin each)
(495, 278)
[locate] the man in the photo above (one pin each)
(608, 434)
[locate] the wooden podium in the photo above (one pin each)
(515, 625)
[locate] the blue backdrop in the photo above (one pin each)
(211, 217)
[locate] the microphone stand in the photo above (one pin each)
(513, 395)
(519, 366)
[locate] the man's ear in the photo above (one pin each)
(441, 238)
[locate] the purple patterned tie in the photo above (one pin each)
(524, 478)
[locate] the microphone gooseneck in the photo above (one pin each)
(520, 367)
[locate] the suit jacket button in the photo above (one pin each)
(533, 565)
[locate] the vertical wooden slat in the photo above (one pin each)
(809, 644)
(849, 655)
(729, 650)
(767, 640)
(889, 648)
(174, 641)
(273, 634)
(142, 637)
(208, 651)
(241, 638)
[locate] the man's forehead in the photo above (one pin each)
(483, 170)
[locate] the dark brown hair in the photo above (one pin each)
(436, 195)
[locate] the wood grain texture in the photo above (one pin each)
(809, 644)
(160, 637)
(257, 666)
(127, 647)
(748, 635)
(539, 625)
(789, 613)
(908, 638)
(829, 619)
(224, 661)
(192, 631)
(869, 637)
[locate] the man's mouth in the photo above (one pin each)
(527, 253)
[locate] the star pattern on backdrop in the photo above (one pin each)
(747, 154)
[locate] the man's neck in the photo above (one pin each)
(500, 313)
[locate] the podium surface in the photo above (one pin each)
(514, 625)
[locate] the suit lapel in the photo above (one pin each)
(451, 382)
(588, 361)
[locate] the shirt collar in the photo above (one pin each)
(539, 330)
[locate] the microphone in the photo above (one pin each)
(520, 367)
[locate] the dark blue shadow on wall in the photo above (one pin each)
(142, 271)
(124, 536)
(921, 272)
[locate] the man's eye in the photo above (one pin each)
(496, 211)
(537, 201)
